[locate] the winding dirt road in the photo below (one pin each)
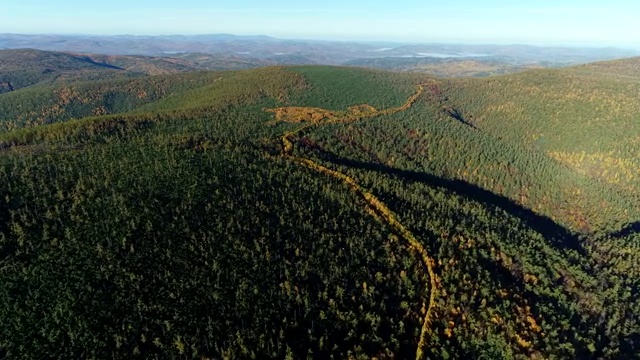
(376, 207)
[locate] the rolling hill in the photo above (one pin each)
(447, 67)
(25, 67)
(20, 68)
(312, 211)
(622, 67)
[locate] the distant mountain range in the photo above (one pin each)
(21, 68)
(401, 56)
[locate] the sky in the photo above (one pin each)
(544, 22)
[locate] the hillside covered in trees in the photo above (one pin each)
(21, 68)
(318, 212)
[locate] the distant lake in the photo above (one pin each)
(443, 55)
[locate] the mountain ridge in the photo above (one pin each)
(323, 52)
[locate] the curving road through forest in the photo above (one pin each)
(376, 207)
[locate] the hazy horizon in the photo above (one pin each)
(347, 40)
(546, 23)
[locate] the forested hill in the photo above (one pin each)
(623, 67)
(20, 68)
(317, 212)
(25, 67)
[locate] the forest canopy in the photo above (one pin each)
(317, 212)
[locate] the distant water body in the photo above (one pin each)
(443, 55)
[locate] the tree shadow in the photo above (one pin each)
(628, 230)
(558, 235)
(457, 115)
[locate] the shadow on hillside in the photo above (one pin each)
(555, 233)
(457, 115)
(630, 229)
(99, 64)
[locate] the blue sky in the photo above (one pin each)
(579, 22)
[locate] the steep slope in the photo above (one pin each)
(307, 212)
(584, 120)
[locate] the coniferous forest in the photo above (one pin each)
(322, 212)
